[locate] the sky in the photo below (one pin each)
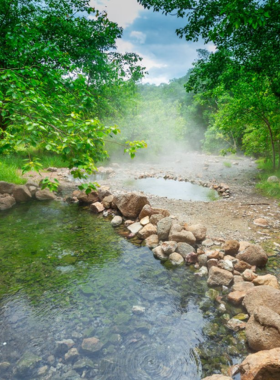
(152, 36)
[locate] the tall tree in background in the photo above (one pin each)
(56, 58)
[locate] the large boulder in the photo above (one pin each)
(44, 195)
(6, 187)
(163, 228)
(148, 210)
(263, 365)
(254, 255)
(6, 202)
(21, 193)
(198, 230)
(130, 204)
(147, 231)
(88, 198)
(218, 276)
(263, 329)
(262, 296)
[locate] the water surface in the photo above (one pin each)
(65, 274)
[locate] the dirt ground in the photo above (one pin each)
(230, 218)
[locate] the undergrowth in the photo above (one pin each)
(269, 189)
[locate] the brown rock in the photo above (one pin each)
(107, 201)
(130, 204)
(176, 258)
(147, 231)
(241, 266)
(263, 365)
(268, 279)
(145, 221)
(235, 324)
(97, 207)
(169, 247)
(262, 295)
(248, 275)
(148, 210)
(261, 222)
(218, 276)
(6, 202)
(44, 195)
(213, 255)
(212, 263)
(236, 297)
(154, 219)
(191, 258)
(198, 230)
(217, 377)
(103, 192)
(254, 255)
(91, 345)
(231, 258)
(243, 245)
(21, 193)
(182, 236)
(88, 198)
(231, 247)
(243, 286)
(159, 254)
(237, 278)
(6, 187)
(152, 241)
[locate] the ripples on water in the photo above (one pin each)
(65, 274)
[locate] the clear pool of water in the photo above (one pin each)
(172, 189)
(66, 274)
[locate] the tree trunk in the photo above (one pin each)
(272, 144)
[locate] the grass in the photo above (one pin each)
(10, 165)
(227, 164)
(269, 189)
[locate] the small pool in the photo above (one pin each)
(172, 189)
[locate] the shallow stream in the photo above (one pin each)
(65, 274)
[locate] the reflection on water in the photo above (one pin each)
(65, 274)
(172, 189)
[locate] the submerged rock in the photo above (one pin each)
(26, 364)
(91, 345)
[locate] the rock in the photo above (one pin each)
(176, 258)
(6, 202)
(103, 192)
(145, 221)
(169, 247)
(240, 266)
(130, 204)
(226, 264)
(163, 228)
(107, 201)
(207, 243)
(6, 187)
(262, 295)
(63, 346)
(21, 193)
(44, 195)
(117, 221)
(217, 377)
(191, 258)
(273, 178)
(218, 276)
(91, 345)
(83, 364)
(212, 263)
(159, 254)
(148, 210)
(72, 354)
(243, 245)
(254, 255)
(248, 275)
(236, 297)
(263, 329)
(202, 260)
(203, 271)
(243, 286)
(213, 255)
(235, 324)
(198, 230)
(152, 241)
(184, 249)
(261, 222)
(97, 207)
(138, 309)
(182, 236)
(268, 279)
(4, 366)
(135, 227)
(230, 258)
(154, 219)
(147, 231)
(88, 198)
(33, 190)
(128, 223)
(43, 370)
(231, 247)
(263, 365)
(26, 364)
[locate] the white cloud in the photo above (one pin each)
(139, 36)
(123, 12)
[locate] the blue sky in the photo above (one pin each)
(151, 35)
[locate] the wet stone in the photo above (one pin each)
(26, 364)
